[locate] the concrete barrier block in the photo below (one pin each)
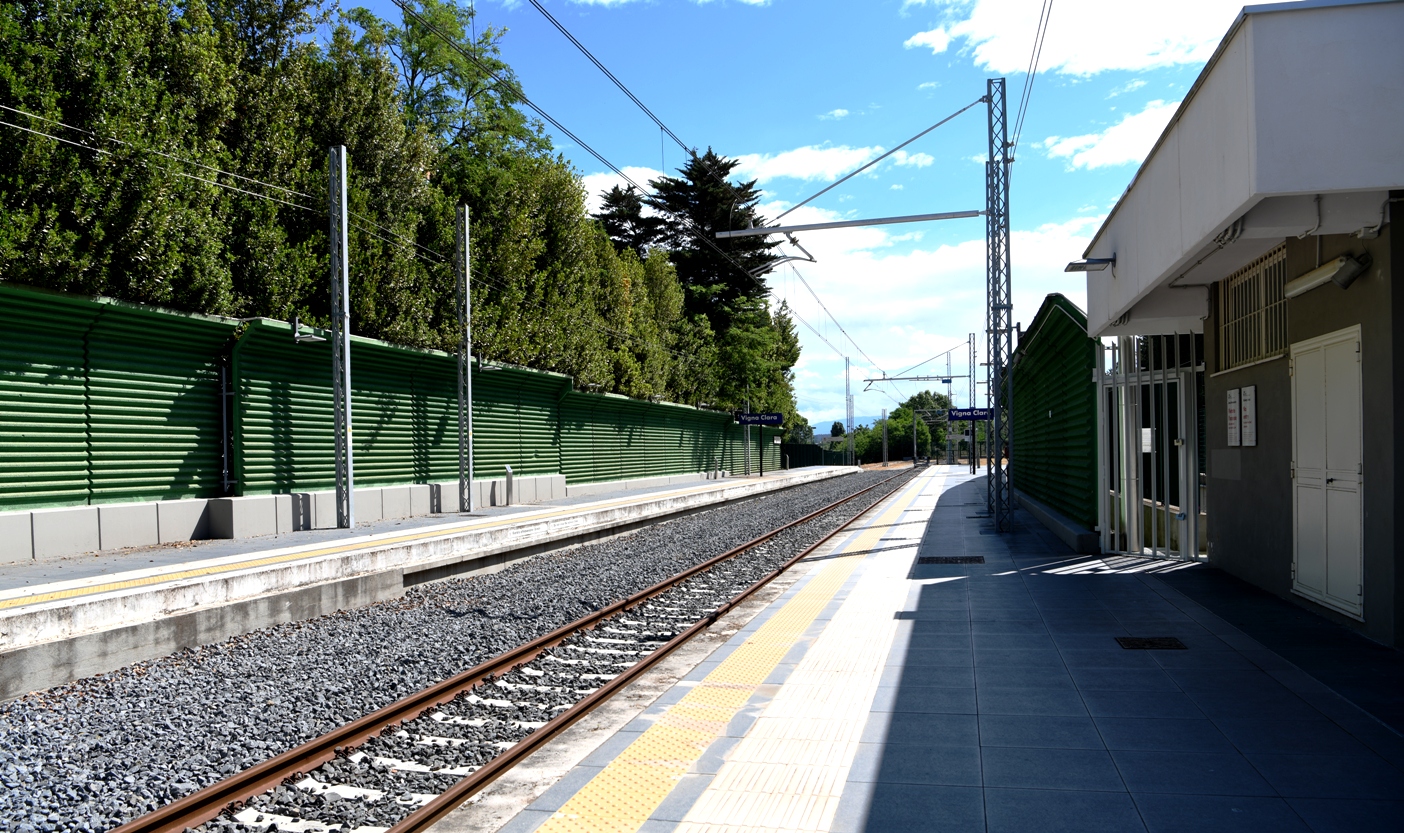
(16, 537)
(128, 525)
(182, 520)
(323, 510)
(395, 502)
(526, 490)
(283, 513)
(69, 530)
(303, 514)
(420, 502)
(368, 505)
(243, 517)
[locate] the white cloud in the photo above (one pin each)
(1084, 36)
(596, 184)
(912, 160)
(834, 115)
(1129, 140)
(807, 163)
(1129, 87)
(896, 187)
(928, 85)
(936, 39)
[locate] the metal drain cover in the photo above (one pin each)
(1151, 643)
(951, 559)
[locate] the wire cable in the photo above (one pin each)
(879, 159)
(1037, 52)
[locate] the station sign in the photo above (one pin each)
(760, 419)
(962, 414)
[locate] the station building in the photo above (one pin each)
(1249, 306)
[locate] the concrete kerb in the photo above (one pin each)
(149, 615)
(1081, 540)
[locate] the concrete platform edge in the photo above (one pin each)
(1080, 539)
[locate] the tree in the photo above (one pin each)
(625, 222)
(836, 430)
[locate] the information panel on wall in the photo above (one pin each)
(1234, 432)
(1248, 415)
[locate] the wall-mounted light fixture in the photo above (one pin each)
(1342, 272)
(484, 367)
(1091, 264)
(299, 338)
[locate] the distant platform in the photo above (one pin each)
(65, 619)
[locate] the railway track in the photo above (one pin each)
(407, 765)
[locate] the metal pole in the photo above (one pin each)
(950, 401)
(1000, 302)
(884, 438)
(747, 430)
(914, 446)
(848, 400)
(341, 342)
(462, 262)
(971, 374)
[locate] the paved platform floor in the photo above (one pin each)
(878, 693)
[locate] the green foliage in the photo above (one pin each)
(836, 430)
(165, 95)
(867, 442)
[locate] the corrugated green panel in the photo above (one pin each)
(1055, 412)
(43, 409)
(515, 422)
(283, 403)
(576, 439)
(154, 406)
(404, 409)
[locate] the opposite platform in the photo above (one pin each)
(53, 632)
(883, 693)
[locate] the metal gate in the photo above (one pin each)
(1150, 419)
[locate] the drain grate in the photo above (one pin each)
(951, 559)
(1151, 643)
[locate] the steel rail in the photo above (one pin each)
(205, 804)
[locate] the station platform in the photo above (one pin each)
(64, 619)
(922, 673)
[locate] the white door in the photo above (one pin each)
(1327, 474)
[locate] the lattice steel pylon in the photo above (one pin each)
(463, 303)
(1000, 306)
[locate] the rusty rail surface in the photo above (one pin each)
(205, 804)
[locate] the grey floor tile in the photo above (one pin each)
(922, 729)
(1217, 814)
(560, 792)
(1193, 773)
(1228, 660)
(526, 821)
(940, 627)
(681, 798)
(1223, 679)
(1162, 734)
(1009, 676)
(923, 699)
(1172, 704)
(1123, 679)
(1104, 640)
(1330, 776)
(1006, 641)
(1350, 815)
(1047, 701)
(1301, 737)
(887, 808)
(610, 749)
(937, 676)
(952, 766)
(658, 826)
(1008, 627)
(1050, 769)
(931, 656)
(1048, 731)
(1059, 811)
(1279, 704)
(1018, 658)
(1112, 656)
(715, 755)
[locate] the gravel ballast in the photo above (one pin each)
(98, 752)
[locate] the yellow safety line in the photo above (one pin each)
(622, 796)
(55, 595)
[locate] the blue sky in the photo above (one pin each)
(803, 91)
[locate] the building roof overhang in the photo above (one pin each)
(1291, 129)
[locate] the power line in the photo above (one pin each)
(1036, 53)
(879, 159)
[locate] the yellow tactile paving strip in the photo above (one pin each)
(300, 555)
(622, 796)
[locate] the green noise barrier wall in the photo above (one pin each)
(104, 401)
(1054, 452)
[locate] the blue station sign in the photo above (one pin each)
(964, 414)
(760, 419)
